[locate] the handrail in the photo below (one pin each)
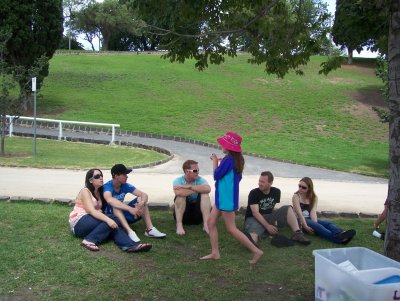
(61, 122)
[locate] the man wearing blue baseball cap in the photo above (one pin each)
(115, 191)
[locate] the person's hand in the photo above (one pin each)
(214, 157)
(135, 212)
(272, 229)
(376, 226)
(308, 229)
(112, 224)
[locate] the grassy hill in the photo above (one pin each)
(316, 120)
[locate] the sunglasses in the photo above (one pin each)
(193, 170)
(303, 187)
(98, 176)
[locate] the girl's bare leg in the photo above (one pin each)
(230, 224)
(213, 233)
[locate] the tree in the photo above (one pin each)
(11, 78)
(392, 239)
(282, 34)
(124, 41)
(70, 7)
(8, 102)
(107, 18)
(36, 30)
(357, 25)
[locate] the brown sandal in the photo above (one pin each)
(139, 248)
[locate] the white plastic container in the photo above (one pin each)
(354, 274)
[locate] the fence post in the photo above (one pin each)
(11, 128)
(60, 131)
(112, 134)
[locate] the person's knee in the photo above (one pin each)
(180, 204)
(205, 197)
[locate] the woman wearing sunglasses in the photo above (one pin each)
(89, 222)
(305, 205)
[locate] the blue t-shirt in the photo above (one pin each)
(120, 195)
(227, 185)
(182, 181)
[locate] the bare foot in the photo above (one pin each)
(180, 230)
(205, 228)
(211, 256)
(256, 257)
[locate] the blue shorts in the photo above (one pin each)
(131, 219)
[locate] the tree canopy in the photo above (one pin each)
(106, 18)
(282, 34)
(359, 24)
(36, 30)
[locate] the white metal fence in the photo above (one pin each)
(60, 124)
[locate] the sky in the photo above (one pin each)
(331, 8)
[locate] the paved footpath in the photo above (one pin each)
(337, 191)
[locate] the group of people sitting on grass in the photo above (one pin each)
(100, 212)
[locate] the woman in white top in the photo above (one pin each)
(89, 222)
(305, 205)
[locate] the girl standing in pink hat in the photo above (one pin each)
(227, 176)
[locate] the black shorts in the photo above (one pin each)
(192, 214)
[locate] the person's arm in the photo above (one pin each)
(113, 202)
(142, 195)
(313, 213)
(273, 230)
(86, 198)
(186, 190)
(299, 213)
(381, 217)
(214, 158)
(226, 165)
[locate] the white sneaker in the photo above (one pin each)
(132, 235)
(154, 233)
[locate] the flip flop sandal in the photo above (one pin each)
(90, 246)
(139, 248)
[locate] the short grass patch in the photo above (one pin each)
(64, 154)
(41, 260)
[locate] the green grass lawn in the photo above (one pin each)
(313, 119)
(41, 260)
(63, 154)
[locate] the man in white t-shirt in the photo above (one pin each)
(192, 200)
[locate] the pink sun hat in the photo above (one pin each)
(231, 141)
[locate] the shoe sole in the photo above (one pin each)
(151, 236)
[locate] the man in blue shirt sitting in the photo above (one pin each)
(192, 200)
(114, 193)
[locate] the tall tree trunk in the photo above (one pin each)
(350, 55)
(392, 240)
